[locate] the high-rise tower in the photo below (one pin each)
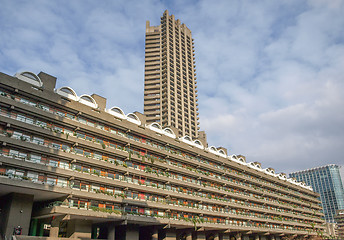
(327, 182)
(170, 95)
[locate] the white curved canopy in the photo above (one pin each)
(282, 176)
(222, 152)
(29, 77)
(155, 127)
(67, 92)
(169, 132)
(187, 140)
(88, 100)
(116, 111)
(131, 117)
(212, 149)
(198, 144)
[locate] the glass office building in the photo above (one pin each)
(327, 182)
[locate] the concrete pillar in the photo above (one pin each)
(171, 235)
(16, 211)
(201, 236)
(78, 228)
(188, 236)
(216, 236)
(55, 226)
(238, 236)
(155, 235)
(132, 232)
(111, 231)
(226, 236)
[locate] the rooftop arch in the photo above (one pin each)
(221, 152)
(258, 165)
(241, 159)
(131, 117)
(29, 77)
(251, 164)
(282, 176)
(116, 111)
(187, 138)
(88, 100)
(198, 143)
(155, 127)
(67, 92)
(213, 149)
(169, 132)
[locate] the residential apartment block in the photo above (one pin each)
(339, 218)
(72, 168)
(170, 95)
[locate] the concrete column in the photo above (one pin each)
(226, 236)
(132, 233)
(77, 228)
(155, 235)
(238, 236)
(201, 236)
(16, 211)
(170, 235)
(55, 226)
(188, 236)
(216, 236)
(111, 231)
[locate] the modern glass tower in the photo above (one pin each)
(170, 95)
(327, 182)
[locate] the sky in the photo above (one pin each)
(270, 74)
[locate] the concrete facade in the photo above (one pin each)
(79, 170)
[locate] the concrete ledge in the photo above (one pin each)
(47, 238)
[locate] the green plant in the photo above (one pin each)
(9, 134)
(103, 145)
